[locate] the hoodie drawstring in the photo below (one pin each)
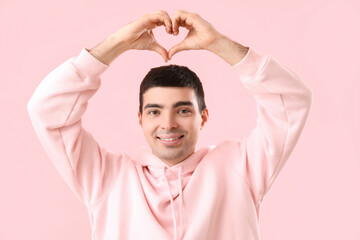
(172, 203)
(181, 199)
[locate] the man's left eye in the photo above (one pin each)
(184, 111)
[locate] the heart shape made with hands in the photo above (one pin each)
(190, 42)
(167, 54)
(201, 34)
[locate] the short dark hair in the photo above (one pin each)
(172, 76)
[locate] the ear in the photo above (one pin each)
(204, 117)
(140, 120)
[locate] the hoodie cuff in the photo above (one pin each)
(88, 65)
(250, 65)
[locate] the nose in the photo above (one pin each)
(168, 121)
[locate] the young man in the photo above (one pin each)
(172, 192)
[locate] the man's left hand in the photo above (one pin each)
(202, 35)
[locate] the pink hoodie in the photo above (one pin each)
(214, 194)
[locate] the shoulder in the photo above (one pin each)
(229, 148)
(230, 145)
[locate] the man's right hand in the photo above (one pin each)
(135, 35)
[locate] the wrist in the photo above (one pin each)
(109, 49)
(229, 50)
(117, 43)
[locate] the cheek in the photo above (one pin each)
(148, 127)
(194, 125)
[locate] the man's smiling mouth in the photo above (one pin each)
(169, 139)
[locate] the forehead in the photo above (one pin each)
(169, 95)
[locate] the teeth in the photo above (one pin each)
(169, 139)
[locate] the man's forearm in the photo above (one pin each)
(108, 50)
(229, 50)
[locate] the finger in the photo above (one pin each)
(159, 49)
(168, 23)
(183, 19)
(159, 18)
(175, 22)
(177, 48)
(162, 51)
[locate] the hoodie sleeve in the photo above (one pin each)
(55, 110)
(283, 103)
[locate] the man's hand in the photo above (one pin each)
(202, 35)
(138, 35)
(135, 35)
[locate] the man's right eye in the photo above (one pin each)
(153, 112)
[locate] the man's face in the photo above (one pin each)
(171, 122)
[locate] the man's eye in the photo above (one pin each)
(184, 111)
(153, 112)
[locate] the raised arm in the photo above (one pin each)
(283, 103)
(60, 100)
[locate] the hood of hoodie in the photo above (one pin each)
(167, 183)
(146, 158)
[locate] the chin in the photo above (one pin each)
(170, 155)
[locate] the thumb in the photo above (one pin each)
(161, 50)
(177, 48)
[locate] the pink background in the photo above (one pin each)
(317, 194)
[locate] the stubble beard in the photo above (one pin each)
(173, 154)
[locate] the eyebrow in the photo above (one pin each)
(180, 103)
